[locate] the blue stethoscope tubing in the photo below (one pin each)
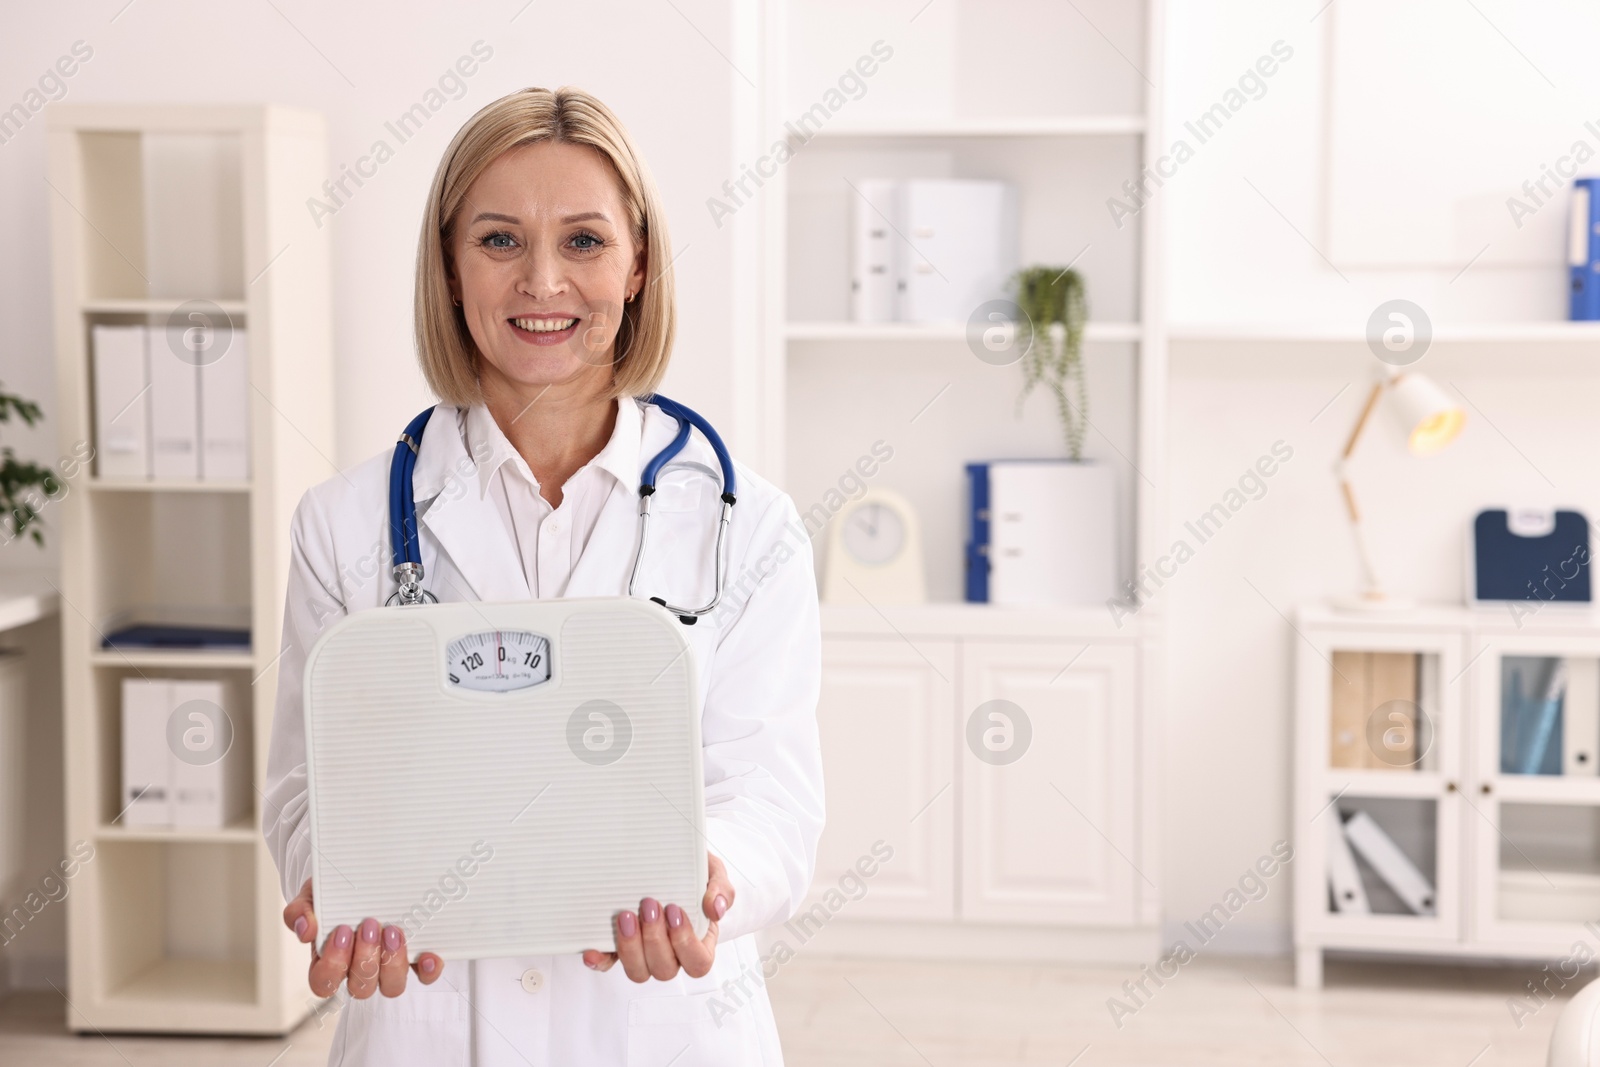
(408, 572)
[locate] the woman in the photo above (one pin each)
(544, 312)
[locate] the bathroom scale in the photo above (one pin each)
(502, 779)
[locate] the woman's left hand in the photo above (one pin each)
(657, 942)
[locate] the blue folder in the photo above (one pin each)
(1583, 255)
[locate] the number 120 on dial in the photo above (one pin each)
(498, 661)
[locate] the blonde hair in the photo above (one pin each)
(445, 348)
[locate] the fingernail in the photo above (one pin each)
(391, 938)
(593, 966)
(674, 916)
(719, 906)
(300, 927)
(342, 936)
(627, 924)
(427, 965)
(369, 931)
(649, 910)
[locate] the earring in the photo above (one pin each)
(631, 295)
(454, 301)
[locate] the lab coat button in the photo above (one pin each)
(532, 981)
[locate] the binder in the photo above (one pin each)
(146, 788)
(1349, 896)
(1369, 840)
(1347, 711)
(1042, 532)
(977, 552)
(1529, 554)
(174, 408)
(875, 273)
(1580, 717)
(205, 794)
(121, 402)
(1392, 681)
(963, 246)
(1583, 251)
(225, 413)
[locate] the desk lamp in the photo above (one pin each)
(1431, 421)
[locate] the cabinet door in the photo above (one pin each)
(885, 719)
(1048, 779)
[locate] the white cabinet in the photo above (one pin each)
(885, 720)
(1493, 796)
(1004, 772)
(1047, 838)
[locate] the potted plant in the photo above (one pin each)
(1055, 310)
(21, 482)
(1064, 510)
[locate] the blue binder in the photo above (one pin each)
(978, 533)
(1550, 567)
(1583, 251)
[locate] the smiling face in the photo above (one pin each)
(542, 262)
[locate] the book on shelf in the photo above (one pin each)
(217, 629)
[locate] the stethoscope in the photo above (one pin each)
(408, 572)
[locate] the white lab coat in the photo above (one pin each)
(759, 666)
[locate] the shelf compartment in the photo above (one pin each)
(183, 914)
(1409, 826)
(984, 126)
(176, 550)
(1383, 711)
(934, 331)
(162, 215)
(1549, 716)
(1549, 863)
(109, 801)
(109, 485)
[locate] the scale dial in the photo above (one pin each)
(497, 661)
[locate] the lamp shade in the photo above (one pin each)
(1429, 417)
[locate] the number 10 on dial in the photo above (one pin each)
(497, 661)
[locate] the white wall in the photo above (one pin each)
(362, 64)
(1531, 431)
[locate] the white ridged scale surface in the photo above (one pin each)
(409, 776)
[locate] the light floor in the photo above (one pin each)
(1235, 1013)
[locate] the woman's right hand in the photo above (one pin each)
(368, 958)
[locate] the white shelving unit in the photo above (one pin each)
(179, 930)
(1514, 857)
(1054, 855)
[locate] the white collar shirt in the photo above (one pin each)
(551, 540)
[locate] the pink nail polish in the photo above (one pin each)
(627, 925)
(300, 927)
(674, 916)
(590, 964)
(342, 937)
(649, 911)
(427, 965)
(391, 938)
(369, 931)
(719, 906)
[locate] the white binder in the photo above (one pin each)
(504, 823)
(1344, 880)
(963, 251)
(174, 407)
(875, 274)
(225, 412)
(146, 776)
(121, 403)
(1391, 864)
(1052, 532)
(1580, 717)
